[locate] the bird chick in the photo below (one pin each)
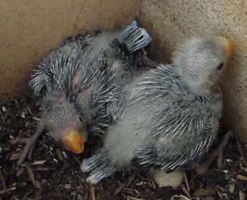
(80, 84)
(171, 113)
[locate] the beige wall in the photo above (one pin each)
(172, 21)
(29, 28)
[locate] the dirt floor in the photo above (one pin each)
(53, 173)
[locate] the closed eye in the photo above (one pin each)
(81, 119)
(220, 66)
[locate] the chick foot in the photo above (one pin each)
(216, 154)
(29, 144)
(142, 60)
(98, 166)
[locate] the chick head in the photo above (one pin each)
(200, 62)
(64, 123)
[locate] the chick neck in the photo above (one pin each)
(195, 84)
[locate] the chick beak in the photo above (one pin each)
(74, 141)
(228, 46)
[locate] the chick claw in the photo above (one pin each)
(29, 144)
(217, 153)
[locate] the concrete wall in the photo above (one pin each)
(170, 22)
(30, 28)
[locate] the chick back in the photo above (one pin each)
(163, 124)
(90, 70)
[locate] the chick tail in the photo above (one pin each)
(134, 37)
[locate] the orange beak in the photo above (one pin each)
(74, 141)
(228, 46)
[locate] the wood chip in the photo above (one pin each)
(15, 156)
(152, 183)
(38, 162)
(36, 119)
(79, 197)
(231, 188)
(64, 154)
(240, 148)
(92, 191)
(23, 115)
(29, 110)
(59, 155)
(181, 197)
(26, 195)
(7, 190)
(186, 182)
(184, 188)
(242, 177)
(241, 195)
(20, 171)
(4, 109)
(38, 184)
(204, 192)
(32, 177)
(43, 169)
(119, 189)
(134, 198)
(3, 180)
(78, 161)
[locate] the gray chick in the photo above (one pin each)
(80, 84)
(171, 113)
